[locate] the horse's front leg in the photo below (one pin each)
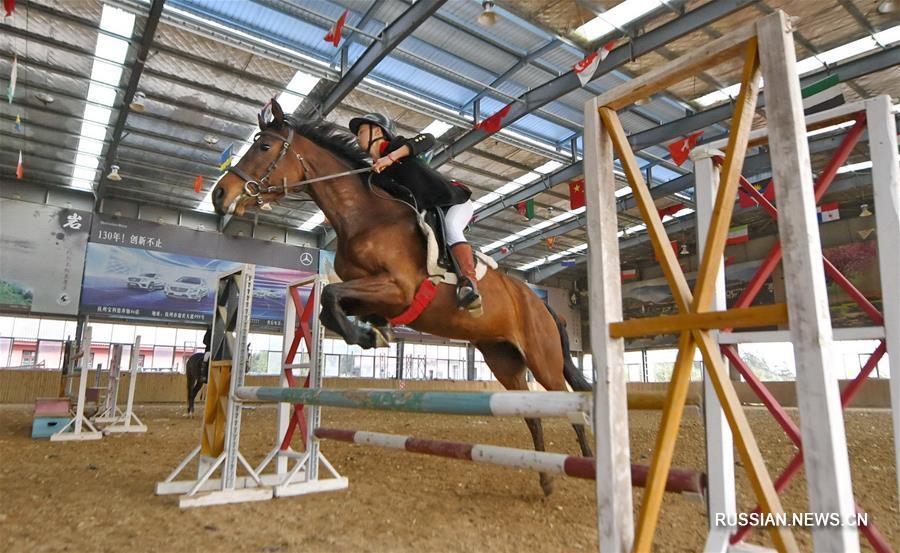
(369, 296)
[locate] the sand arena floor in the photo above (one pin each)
(98, 496)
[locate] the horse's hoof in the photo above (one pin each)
(546, 484)
(383, 337)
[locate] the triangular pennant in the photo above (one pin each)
(226, 157)
(9, 6)
(586, 68)
(20, 168)
(18, 123)
(13, 74)
(198, 184)
(334, 34)
(681, 149)
(493, 123)
(550, 241)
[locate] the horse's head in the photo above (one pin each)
(264, 171)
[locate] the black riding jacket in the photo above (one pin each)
(429, 187)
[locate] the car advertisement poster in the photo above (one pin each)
(161, 273)
(41, 257)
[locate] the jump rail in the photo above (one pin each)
(496, 404)
(678, 480)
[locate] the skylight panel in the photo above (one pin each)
(313, 221)
(855, 167)
(437, 128)
(299, 88)
(109, 54)
(548, 167)
(616, 18)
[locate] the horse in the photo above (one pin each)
(197, 371)
(381, 259)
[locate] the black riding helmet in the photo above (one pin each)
(377, 119)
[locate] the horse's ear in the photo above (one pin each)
(261, 120)
(277, 112)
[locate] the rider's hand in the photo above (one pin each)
(382, 164)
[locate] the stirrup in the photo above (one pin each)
(468, 298)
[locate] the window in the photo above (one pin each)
(28, 358)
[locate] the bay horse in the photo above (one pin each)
(381, 258)
(196, 371)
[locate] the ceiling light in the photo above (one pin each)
(137, 103)
(488, 17)
(44, 98)
(616, 18)
(642, 101)
(887, 6)
(210, 139)
(114, 174)
(864, 211)
(436, 128)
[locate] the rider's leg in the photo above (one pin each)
(456, 219)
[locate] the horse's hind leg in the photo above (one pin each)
(546, 363)
(508, 366)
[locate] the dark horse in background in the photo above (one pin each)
(197, 371)
(381, 259)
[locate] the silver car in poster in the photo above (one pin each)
(188, 287)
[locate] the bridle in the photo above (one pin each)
(255, 188)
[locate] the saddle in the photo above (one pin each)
(439, 263)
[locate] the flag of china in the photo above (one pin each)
(576, 194)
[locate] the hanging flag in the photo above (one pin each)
(550, 241)
(586, 68)
(198, 184)
(504, 249)
(334, 35)
(568, 263)
(822, 95)
(767, 189)
(11, 89)
(526, 209)
(20, 168)
(681, 149)
(674, 244)
(828, 212)
(576, 194)
(493, 123)
(10, 6)
(18, 123)
(226, 157)
(629, 274)
(670, 210)
(737, 235)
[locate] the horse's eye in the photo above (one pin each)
(265, 147)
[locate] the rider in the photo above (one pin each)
(397, 157)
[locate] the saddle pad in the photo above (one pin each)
(437, 273)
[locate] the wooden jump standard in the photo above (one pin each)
(679, 480)
(768, 50)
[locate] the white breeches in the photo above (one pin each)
(455, 221)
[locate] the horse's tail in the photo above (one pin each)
(573, 375)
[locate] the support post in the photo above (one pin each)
(825, 447)
(614, 501)
(79, 421)
(719, 442)
(886, 184)
(123, 423)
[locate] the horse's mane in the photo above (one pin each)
(333, 138)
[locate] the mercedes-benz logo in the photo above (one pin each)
(306, 258)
